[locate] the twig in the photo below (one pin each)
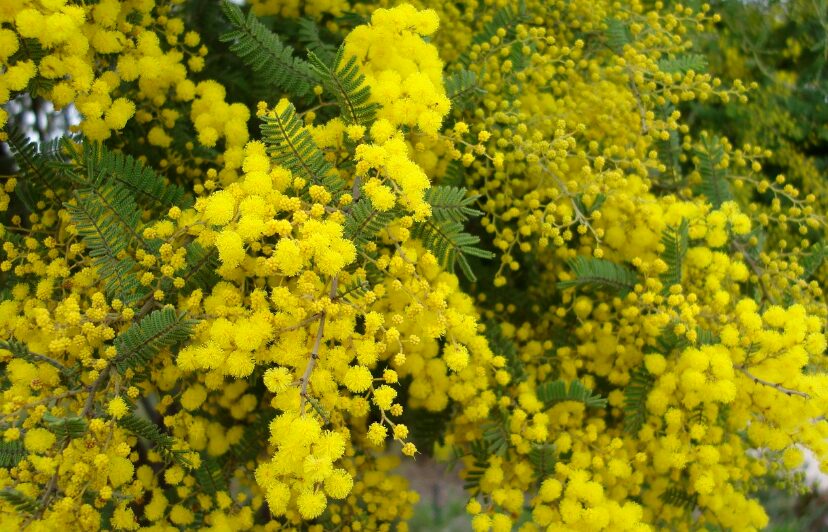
(303, 386)
(787, 391)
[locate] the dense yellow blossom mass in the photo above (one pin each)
(280, 249)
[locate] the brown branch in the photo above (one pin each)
(787, 391)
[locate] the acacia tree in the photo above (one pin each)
(254, 256)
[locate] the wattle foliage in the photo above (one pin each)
(256, 255)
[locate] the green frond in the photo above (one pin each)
(201, 267)
(675, 241)
(635, 399)
(714, 185)
(21, 503)
(148, 189)
(143, 340)
(596, 204)
(364, 222)
(11, 452)
(557, 391)
(669, 154)
(40, 169)
(425, 428)
(601, 274)
(812, 260)
(455, 174)
(164, 444)
(290, 145)
(507, 18)
(496, 435)
(19, 350)
(617, 34)
(683, 63)
(543, 458)
(66, 428)
(254, 438)
(463, 89)
(210, 476)
(308, 35)
(505, 347)
(346, 83)
(680, 499)
(451, 204)
(261, 50)
(106, 241)
(448, 242)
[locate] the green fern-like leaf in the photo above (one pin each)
(106, 240)
(143, 340)
(812, 260)
(261, 50)
(506, 18)
(364, 222)
(635, 398)
(505, 347)
(558, 391)
(683, 63)
(617, 34)
(451, 204)
(450, 244)
(148, 189)
(601, 274)
(309, 35)
(21, 503)
(40, 169)
(714, 183)
(66, 428)
(674, 240)
(347, 84)
(291, 145)
(463, 89)
(210, 476)
(201, 267)
(680, 499)
(164, 443)
(543, 458)
(11, 452)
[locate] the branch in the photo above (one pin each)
(787, 391)
(303, 386)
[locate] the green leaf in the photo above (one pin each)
(635, 399)
(812, 260)
(680, 499)
(40, 169)
(147, 188)
(462, 88)
(448, 242)
(600, 273)
(346, 83)
(21, 503)
(714, 185)
(683, 63)
(164, 443)
(143, 340)
(675, 241)
(543, 458)
(66, 428)
(451, 204)
(210, 476)
(290, 145)
(261, 50)
(11, 452)
(363, 222)
(558, 391)
(617, 34)
(308, 34)
(106, 240)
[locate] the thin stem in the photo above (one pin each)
(775, 386)
(303, 386)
